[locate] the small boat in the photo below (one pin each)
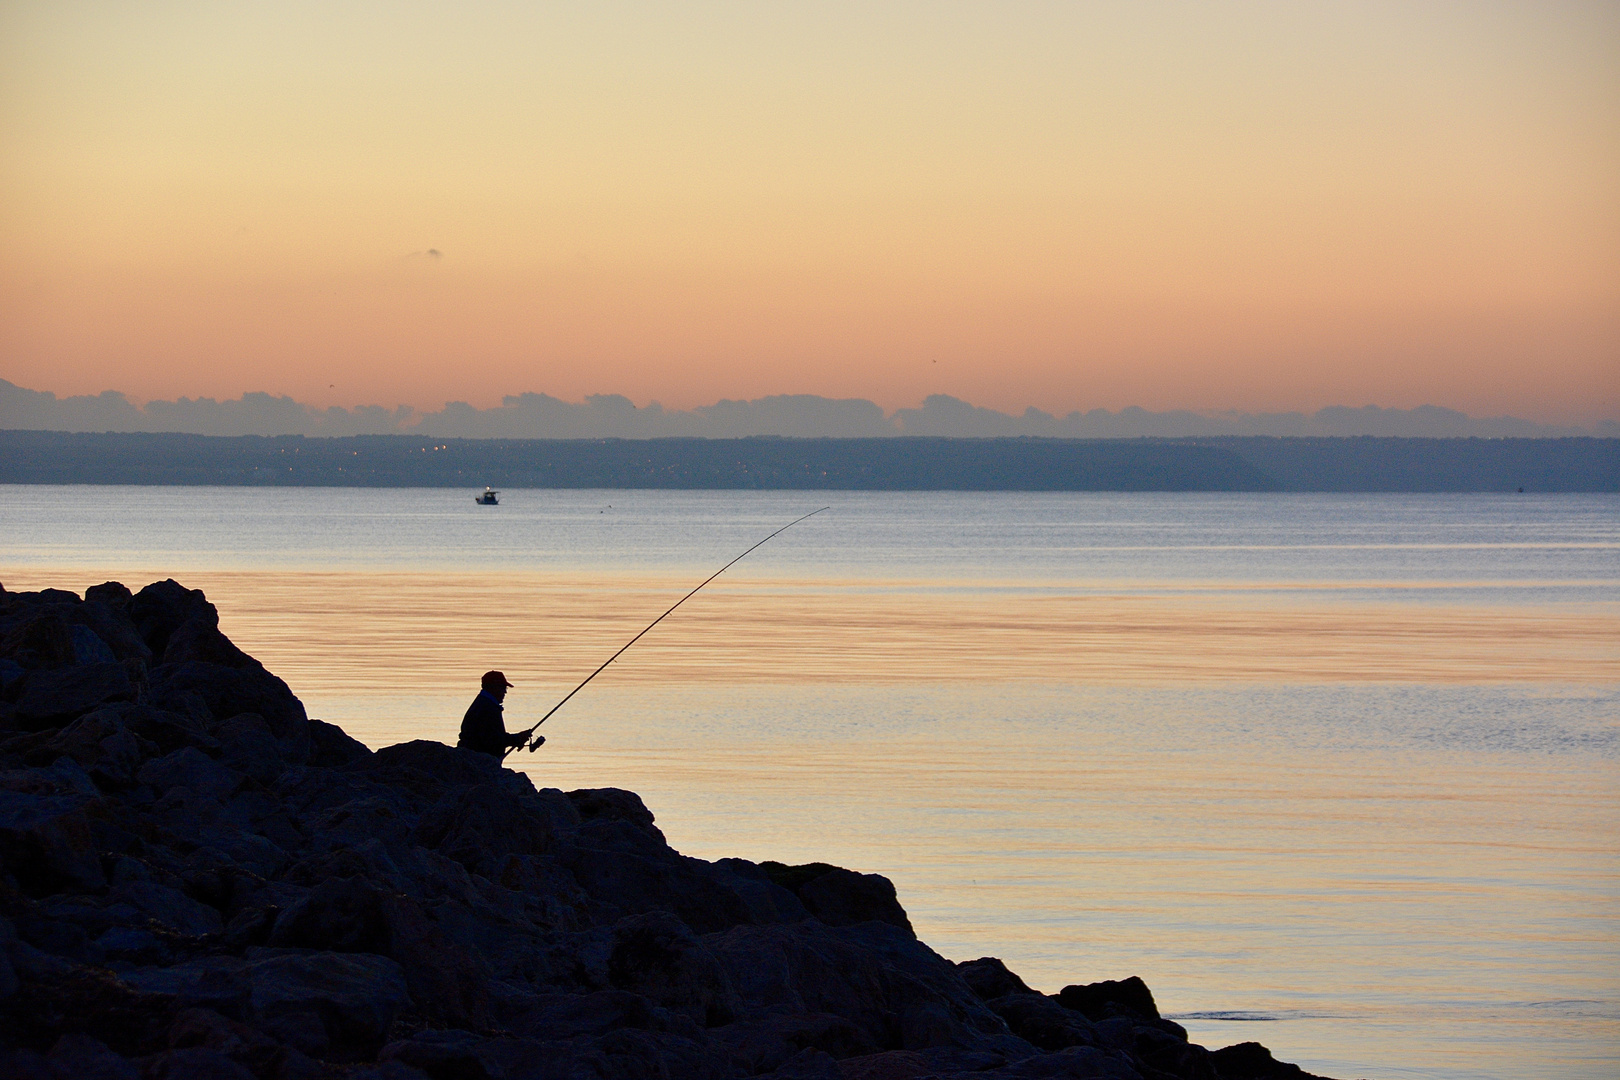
(487, 498)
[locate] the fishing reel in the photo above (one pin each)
(535, 743)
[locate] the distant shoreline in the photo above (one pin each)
(904, 463)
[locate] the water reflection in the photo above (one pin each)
(359, 630)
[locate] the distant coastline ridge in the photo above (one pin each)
(917, 463)
(609, 416)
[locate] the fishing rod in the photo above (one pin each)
(535, 743)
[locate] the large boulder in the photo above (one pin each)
(615, 804)
(104, 745)
(331, 747)
(111, 625)
(449, 765)
(161, 608)
(336, 1006)
(36, 639)
(479, 826)
(989, 978)
(549, 1017)
(446, 982)
(88, 648)
(85, 1057)
(170, 907)
(47, 842)
(767, 1041)
(114, 594)
(1040, 1020)
(1252, 1061)
(657, 956)
(190, 768)
(225, 692)
(842, 897)
(249, 745)
(196, 1030)
(1109, 998)
(51, 698)
(895, 990)
(168, 730)
(619, 867)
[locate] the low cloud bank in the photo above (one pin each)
(796, 415)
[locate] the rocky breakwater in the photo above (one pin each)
(197, 880)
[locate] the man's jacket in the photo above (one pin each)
(483, 728)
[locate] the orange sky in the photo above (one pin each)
(1253, 206)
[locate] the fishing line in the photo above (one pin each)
(533, 744)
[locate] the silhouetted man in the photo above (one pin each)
(483, 728)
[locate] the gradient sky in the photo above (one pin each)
(1250, 205)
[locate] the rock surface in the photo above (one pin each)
(197, 880)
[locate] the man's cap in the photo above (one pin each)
(492, 679)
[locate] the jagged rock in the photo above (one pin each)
(9, 982)
(11, 673)
(219, 983)
(479, 826)
(353, 915)
(889, 1065)
(251, 747)
(106, 748)
(331, 747)
(85, 1057)
(989, 978)
(88, 648)
(618, 866)
(194, 1063)
(189, 768)
(170, 907)
(1165, 1052)
(1252, 1061)
(1043, 1022)
(447, 764)
(1077, 1062)
(657, 956)
(388, 1070)
(61, 999)
(842, 897)
(550, 1017)
(111, 625)
(46, 842)
(161, 608)
(169, 731)
(765, 1042)
(444, 1055)
(196, 641)
(228, 691)
(242, 1045)
(809, 1064)
(37, 640)
(614, 804)
(54, 697)
(1102, 1000)
(129, 945)
(114, 594)
(766, 901)
(335, 1006)
(897, 992)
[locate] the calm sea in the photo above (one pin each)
(1340, 774)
